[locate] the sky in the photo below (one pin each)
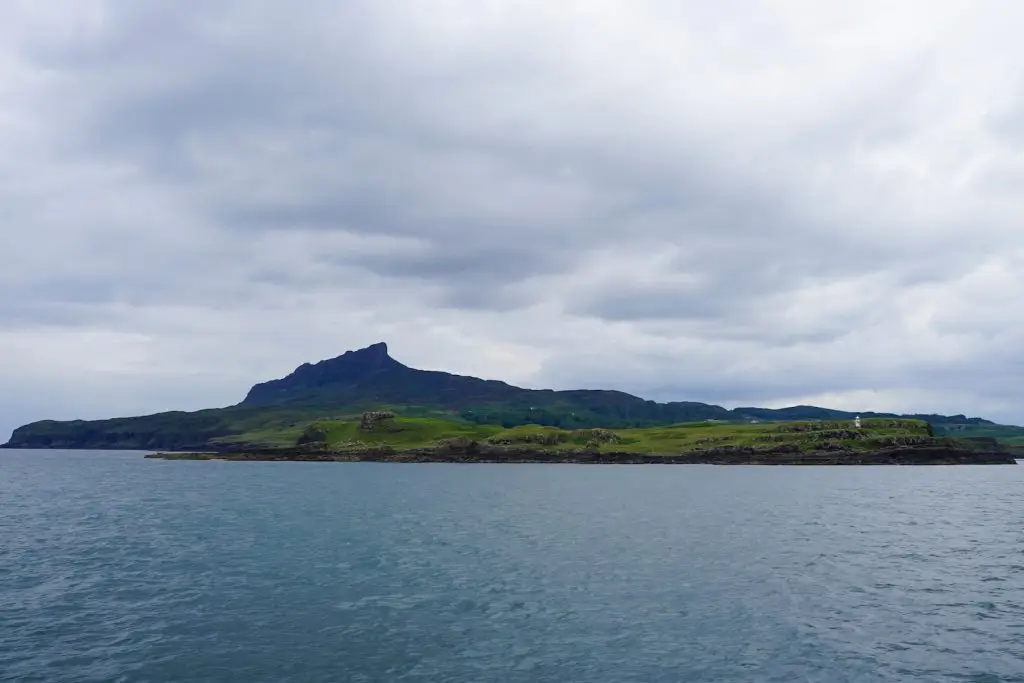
(767, 202)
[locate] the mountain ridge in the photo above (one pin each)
(369, 378)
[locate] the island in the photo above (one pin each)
(366, 406)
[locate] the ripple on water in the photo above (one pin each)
(114, 568)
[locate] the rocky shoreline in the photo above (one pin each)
(781, 455)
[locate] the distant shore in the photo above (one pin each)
(929, 455)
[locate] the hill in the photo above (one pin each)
(277, 412)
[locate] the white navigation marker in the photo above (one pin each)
(856, 422)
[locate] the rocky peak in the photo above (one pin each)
(355, 364)
(351, 366)
(374, 354)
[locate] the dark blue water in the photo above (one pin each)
(115, 568)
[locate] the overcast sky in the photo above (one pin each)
(746, 203)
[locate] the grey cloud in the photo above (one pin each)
(240, 172)
(661, 300)
(473, 262)
(474, 277)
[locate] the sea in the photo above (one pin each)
(118, 568)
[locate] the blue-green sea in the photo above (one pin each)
(118, 568)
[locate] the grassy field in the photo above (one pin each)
(404, 433)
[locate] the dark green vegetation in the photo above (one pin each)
(324, 403)
(1008, 436)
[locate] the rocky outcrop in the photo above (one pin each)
(470, 451)
(372, 419)
(313, 435)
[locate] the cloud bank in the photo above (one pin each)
(769, 203)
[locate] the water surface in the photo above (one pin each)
(116, 568)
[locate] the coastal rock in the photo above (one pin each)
(459, 444)
(597, 436)
(469, 451)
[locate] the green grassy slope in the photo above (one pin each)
(404, 433)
